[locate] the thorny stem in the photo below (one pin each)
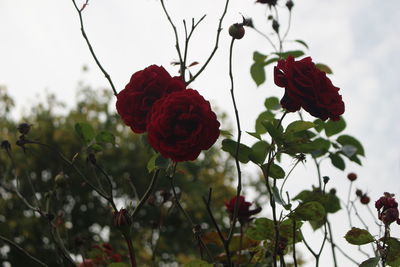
(79, 10)
(15, 245)
(215, 47)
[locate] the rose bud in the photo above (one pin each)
(236, 31)
(61, 179)
(359, 193)
(332, 191)
(364, 199)
(352, 176)
(289, 5)
(24, 128)
(5, 145)
(275, 26)
(122, 219)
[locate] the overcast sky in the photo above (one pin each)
(41, 48)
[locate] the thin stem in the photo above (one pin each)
(332, 243)
(216, 44)
(147, 193)
(26, 253)
(288, 27)
(343, 253)
(176, 39)
(294, 244)
(91, 48)
(266, 37)
(132, 256)
(108, 179)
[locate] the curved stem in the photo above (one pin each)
(146, 194)
(132, 256)
(79, 10)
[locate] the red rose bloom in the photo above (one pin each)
(309, 88)
(182, 124)
(145, 88)
(244, 212)
(387, 209)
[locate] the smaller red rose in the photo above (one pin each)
(145, 87)
(309, 88)
(244, 212)
(181, 125)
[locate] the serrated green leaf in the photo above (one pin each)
(298, 126)
(302, 42)
(334, 127)
(350, 140)
(258, 57)
(357, 236)
(85, 131)
(272, 103)
(337, 161)
(257, 72)
(310, 211)
(259, 152)
(330, 202)
(105, 137)
(229, 146)
(324, 68)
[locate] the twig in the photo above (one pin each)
(146, 194)
(215, 47)
(15, 245)
(79, 10)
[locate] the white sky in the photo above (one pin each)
(41, 48)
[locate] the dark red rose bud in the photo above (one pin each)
(275, 25)
(289, 5)
(332, 191)
(352, 176)
(24, 128)
(309, 88)
(122, 219)
(390, 215)
(359, 193)
(325, 179)
(236, 31)
(365, 199)
(6, 146)
(248, 22)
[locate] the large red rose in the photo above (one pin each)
(182, 124)
(144, 88)
(309, 88)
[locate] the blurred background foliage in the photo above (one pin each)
(82, 217)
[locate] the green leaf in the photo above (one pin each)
(319, 125)
(229, 146)
(302, 42)
(357, 236)
(256, 135)
(277, 196)
(261, 229)
(276, 172)
(286, 230)
(257, 72)
(105, 137)
(273, 131)
(85, 131)
(264, 116)
(95, 148)
(334, 127)
(272, 103)
(350, 140)
(197, 263)
(225, 133)
(258, 57)
(259, 152)
(337, 161)
(310, 211)
(298, 126)
(324, 68)
(393, 257)
(330, 202)
(294, 53)
(317, 147)
(272, 60)
(243, 242)
(371, 262)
